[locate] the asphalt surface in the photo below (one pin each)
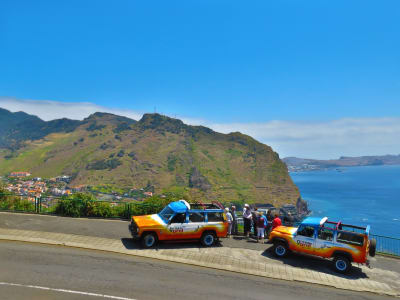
(32, 271)
(118, 229)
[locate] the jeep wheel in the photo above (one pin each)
(280, 249)
(372, 247)
(341, 264)
(208, 239)
(149, 239)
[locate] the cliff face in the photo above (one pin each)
(162, 152)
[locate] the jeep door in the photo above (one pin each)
(324, 242)
(304, 239)
(176, 226)
(196, 221)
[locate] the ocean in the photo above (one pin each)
(362, 196)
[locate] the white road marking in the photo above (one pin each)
(64, 291)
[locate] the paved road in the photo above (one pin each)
(117, 229)
(80, 274)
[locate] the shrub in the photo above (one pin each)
(121, 127)
(76, 205)
(23, 205)
(94, 126)
(120, 211)
(8, 202)
(98, 209)
(104, 164)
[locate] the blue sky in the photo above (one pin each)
(229, 63)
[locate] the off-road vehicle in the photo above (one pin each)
(342, 243)
(182, 221)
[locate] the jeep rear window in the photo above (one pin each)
(350, 238)
(215, 217)
(196, 217)
(325, 234)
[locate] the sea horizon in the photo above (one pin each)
(364, 195)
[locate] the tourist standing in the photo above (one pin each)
(289, 220)
(247, 220)
(276, 222)
(234, 222)
(229, 219)
(261, 222)
(269, 218)
(254, 217)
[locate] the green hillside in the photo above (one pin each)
(105, 149)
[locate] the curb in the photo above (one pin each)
(201, 259)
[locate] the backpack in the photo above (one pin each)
(260, 222)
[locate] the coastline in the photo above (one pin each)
(363, 195)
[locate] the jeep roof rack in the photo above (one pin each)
(204, 206)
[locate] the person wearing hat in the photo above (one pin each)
(229, 219)
(247, 220)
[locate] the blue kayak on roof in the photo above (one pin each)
(179, 206)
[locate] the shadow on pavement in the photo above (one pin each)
(315, 264)
(294, 260)
(131, 244)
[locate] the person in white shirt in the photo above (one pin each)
(247, 219)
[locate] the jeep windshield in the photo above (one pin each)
(166, 213)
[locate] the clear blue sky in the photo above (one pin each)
(219, 60)
(310, 65)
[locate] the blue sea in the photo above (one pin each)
(357, 195)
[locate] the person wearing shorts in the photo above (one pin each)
(260, 227)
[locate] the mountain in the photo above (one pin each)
(157, 151)
(344, 161)
(16, 128)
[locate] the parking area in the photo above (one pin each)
(235, 254)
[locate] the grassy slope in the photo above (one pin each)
(237, 167)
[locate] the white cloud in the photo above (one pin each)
(324, 139)
(50, 110)
(329, 139)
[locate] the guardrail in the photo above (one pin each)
(387, 245)
(48, 205)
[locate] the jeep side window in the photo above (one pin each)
(215, 217)
(350, 238)
(307, 231)
(325, 234)
(196, 217)
(179, 218)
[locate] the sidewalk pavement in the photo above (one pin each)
(222, 258)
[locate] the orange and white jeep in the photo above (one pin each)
(333, 240)
(180, 220)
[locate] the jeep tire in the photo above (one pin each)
(341, 264)
(149, 239)
(372, 247)
(280, 249)
(208, 238)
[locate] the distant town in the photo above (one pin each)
(24, 184)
